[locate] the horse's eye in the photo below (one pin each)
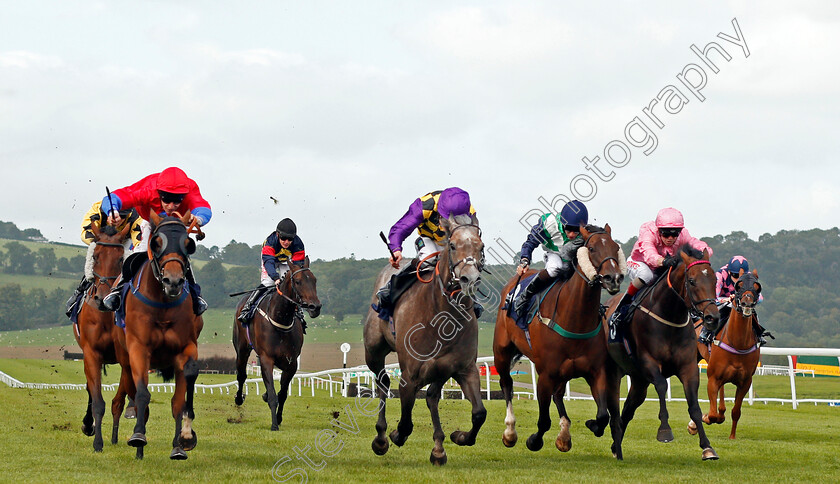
(451, 246)
(691, 281)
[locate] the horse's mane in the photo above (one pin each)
(594, 228)
(690, 251)
(109, 230)
(463, 219)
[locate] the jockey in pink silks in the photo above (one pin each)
(727, 279)
(658, 242)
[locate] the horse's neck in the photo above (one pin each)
(738, 332)
(279, 307)
(668, 298)
(443, 302)
(574, 298)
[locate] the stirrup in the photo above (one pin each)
(112, 302)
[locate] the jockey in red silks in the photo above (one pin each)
(727, 278)
(423, 214)
(167, 192)
(656, 247)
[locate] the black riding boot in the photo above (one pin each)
(198, 302)
(618, 318)
(760, 332)
(537, 284)
(245, 314)
(112, 300)
(84, 284)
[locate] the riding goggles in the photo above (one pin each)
(670, 232)
(166, 197)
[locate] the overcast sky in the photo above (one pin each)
(345, 112)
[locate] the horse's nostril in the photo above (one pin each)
(464, 280)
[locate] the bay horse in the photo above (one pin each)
(663, 341)
(161, 330)
(734, 355)
(276, 333)
(568, 344)
(435, 336)
(96, 333)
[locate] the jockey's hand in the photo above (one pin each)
(395, 260)
(522, 267)
(277, 283)
(114, 218)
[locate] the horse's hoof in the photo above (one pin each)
(87, 430)
(563, 445)
(692, 427)
(460, 437)
(665, 435)
(534, 443)
(130, 412)
(396, 438)
(188, 444)
(137, 440)
(509, 439)
(706, 419)
(239, 400)
(178, 454)
(593, 426)
(617, 453)
(379, 446)
(438, 459)
(710, 454)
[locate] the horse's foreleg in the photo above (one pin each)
(740, 393)
(87, 420)
(267, 370)
(660, 384)
(285, 380)
(140, 375)
(471, 386)
(438, 455)
(383, 387)
(598, 387)
(563, 442)
(408, 394)
(502, 361)
(545, 390)
(690, 378)
(118, 403)
(242, 354)
(635, 397)
(721, 405)
(93, 369)
(612, 397)
(178, 404)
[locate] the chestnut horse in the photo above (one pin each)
(734, 355)
(161, 330)
(276, 333)
(663, 342)
(568, 344)
(96, 333)
(435, 337)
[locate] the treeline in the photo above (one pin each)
(19, 259)
(9, 230)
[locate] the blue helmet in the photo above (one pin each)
(574, 213)
(737, 263)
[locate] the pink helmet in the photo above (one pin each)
(669, 218)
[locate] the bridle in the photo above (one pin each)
(693, 311)
(180, 250)
(747, 309)
(288, 279)
(104, 280)
(597, 279)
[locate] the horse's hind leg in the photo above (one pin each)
(438, 455)
(376, 364)
(408, 394)
(740, 393)
(118, 404)
(267, 370)
(545, 390)
(563, 442)
(503, 357)
(285, 380)
(471, 386)
(243, 351)
(87, 420)
(93, 369)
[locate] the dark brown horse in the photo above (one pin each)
(436, 338)
(276, 333)
(734, 355)
(161, 330)
(567, 344)
(663, 342)
(97, 335)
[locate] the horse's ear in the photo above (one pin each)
(685, 258)
(705, 254)
(95, 229)
(125, 230)
(446, 224)
(306, 261)
(608, 230)
(154, 218)
(473, 219)
(189, 246)
(741, 272)
(755, 273)
(584, 232)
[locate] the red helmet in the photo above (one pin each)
(173, 180)
(669, 218)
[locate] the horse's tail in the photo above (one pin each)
(516, 357)
(105, 367)
(168, 373)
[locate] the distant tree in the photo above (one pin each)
(45, 260)
(21, 260)
(34, 234)
(77, 264)
(240, 254)
(8, 230)
(12, 307)
(212, 280)
(63, 265)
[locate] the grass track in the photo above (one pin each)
(42, 442)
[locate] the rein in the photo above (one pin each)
(276, 324)
(693, 311)
(469, 260)
(105, 279)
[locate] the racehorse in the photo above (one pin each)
(276, 333)
(734, 355)
(568, 344)
(663, 342)
(435, 335)
(161, 330)
(96, 333)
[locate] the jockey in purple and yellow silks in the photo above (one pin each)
(424, 215)
(727, 278)
(168, 192)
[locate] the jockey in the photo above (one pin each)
(727, 277)
(655, 248)
(560, 239)
(423, 214)
(94, 217)
(279, 248)
(167, 192)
